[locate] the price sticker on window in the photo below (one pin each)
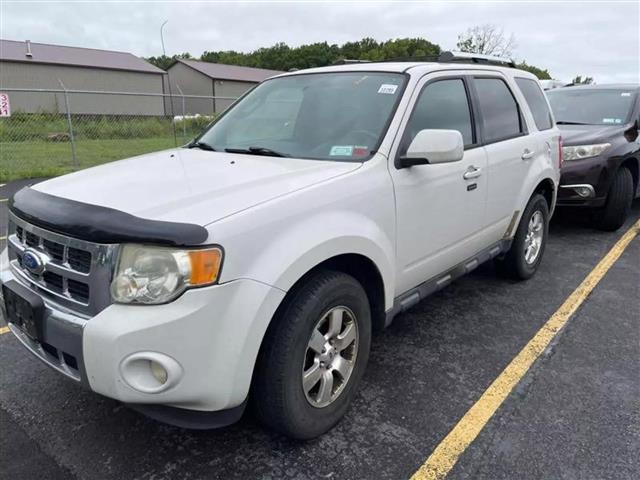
(387, 88)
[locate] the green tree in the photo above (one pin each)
(579, 80)
(165, 62)
(282, 57)
(538, 72)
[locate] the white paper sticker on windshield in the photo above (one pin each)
(341, 150)
(608, 120)
(388, 88)
(625, 94)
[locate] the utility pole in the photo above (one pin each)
(164, 54)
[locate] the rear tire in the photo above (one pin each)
(286, 395)
(613, 215)
(523, 258)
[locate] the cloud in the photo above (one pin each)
(569, 38)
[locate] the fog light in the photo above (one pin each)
(158, 372)
(584, 192)
(150, 372)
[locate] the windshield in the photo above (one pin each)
(326, 116)
(591, 106)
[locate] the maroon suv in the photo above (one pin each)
(600, 130)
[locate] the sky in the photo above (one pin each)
(600, 39)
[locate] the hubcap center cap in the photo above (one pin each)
(329, 354)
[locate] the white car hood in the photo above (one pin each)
(191, 185)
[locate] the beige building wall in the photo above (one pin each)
(42, 76)
(193, 82)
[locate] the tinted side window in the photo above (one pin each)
(443, 105)
(498, 108)
(537, 103)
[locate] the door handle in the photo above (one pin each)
(527, 154)
(472, 172)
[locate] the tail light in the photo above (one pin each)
(560, 159)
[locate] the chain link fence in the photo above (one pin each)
(52, 132)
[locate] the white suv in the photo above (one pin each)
(252, 265)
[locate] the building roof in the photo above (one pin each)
(17, 51)
(220, 71)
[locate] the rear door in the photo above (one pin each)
(439, 207)
(509, 148)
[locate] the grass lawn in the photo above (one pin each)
(30, 159)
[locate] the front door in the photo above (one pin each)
(440, 208)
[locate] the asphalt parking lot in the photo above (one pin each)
(574, 415)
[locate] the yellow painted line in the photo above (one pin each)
(446, 454)
(4, 330)
(3, 238)
(3, 200)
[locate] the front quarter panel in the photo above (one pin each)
(278, 242)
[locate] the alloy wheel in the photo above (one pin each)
(330, 356)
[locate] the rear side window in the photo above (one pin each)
(499, 110)
(537, 103)
(443, 105)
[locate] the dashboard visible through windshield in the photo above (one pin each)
(325, 116)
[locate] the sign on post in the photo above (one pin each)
(5, 106)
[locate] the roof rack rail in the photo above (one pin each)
(347, 61)
(421, 58)
(464, 57)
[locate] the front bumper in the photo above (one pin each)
(212, 334)
(592, 172)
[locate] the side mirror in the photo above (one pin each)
(433, 146)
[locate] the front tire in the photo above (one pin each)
(523, 258)
(313, 356)
(613, 215)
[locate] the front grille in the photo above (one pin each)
(76, 273)
(53, 281)
(79, 260)
(55, 250)
(78, 290)
(31, 240)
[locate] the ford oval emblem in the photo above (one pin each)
(33, 261)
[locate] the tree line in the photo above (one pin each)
(283, 57)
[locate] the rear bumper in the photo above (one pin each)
(209, 338)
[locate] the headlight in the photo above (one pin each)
(583, 151)
(153, 275)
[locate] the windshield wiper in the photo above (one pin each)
(201, 146)
(256, 151)
(562, 122)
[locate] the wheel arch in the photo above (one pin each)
(364, 270)
(633, 165)
(547, 189)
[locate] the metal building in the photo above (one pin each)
(29, 65)
(193, 77)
